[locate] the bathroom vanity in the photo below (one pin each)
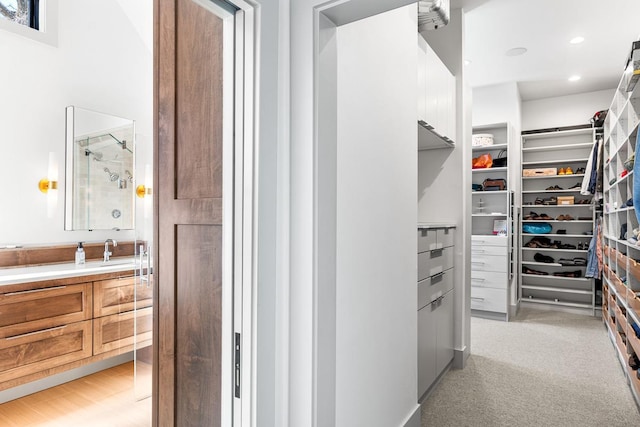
(60, 316)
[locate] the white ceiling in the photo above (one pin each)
(545, 27)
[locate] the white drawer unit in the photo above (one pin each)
(489, 299)
(430, 239)
(435, 292)
(488, 279)
(433, 262)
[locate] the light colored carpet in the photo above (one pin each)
(544, 368)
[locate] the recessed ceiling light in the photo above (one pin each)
(576, 40)
(516, 51)
(574, 78)
(467, 62)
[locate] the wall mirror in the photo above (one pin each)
(100, 172)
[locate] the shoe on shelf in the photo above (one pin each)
(578, 185)
(557, 187)
(561, 231)
(568, 171)
(567, 246)
(550, 201)
(580, 171)
(531, 216)
(629, 202)
(527, 270)
(545, 217)
(561, 171)
(543, 258)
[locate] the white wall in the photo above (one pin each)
(376, 320)
(101, 63)
(564, 110)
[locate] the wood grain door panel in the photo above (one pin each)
(188, 218)
(42, 308)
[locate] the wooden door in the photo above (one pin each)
(188, 215)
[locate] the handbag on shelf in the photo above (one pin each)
(501, 160)
(491, 184)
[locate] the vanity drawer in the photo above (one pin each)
(444, 237)
(42, 308)
(439, 284)
(34, 352)
(489, 279)
(117, 295)
(489, 299)
(116, 331)
(489, 263)
(434, 262)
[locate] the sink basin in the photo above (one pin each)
(55, 271)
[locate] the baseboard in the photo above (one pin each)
(460, 357)
(414, 418)
(63, 377)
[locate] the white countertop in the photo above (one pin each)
(57, 271)
(423, 225)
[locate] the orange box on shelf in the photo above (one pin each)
(633, 301)
(621, 319)
(634, 342)
(566, 200)
(622, 260)
(634, 268)
(540, 172)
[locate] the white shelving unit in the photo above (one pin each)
(621, 276)
(491, 255)
(543, 283)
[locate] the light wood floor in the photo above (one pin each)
(104, 399)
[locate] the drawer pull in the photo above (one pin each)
(477, 262)
(436, 252)
(477, 251)
(477, 279)
(477, 299)
(438, 275)
(33, 291)
(35, 332)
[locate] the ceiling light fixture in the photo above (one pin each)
(574, 78)
(467, 62)
(576, 40)
(516, 51)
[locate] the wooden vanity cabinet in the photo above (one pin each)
(114, 315)
(43, 325)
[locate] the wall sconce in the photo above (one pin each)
(146, 189)
(49, 185)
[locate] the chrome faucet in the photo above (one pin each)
(107, 254)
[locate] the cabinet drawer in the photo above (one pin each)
(37, 309)
(33, 352)
(477, 249)
(489, 263)
(426, 240)
(489, 279)
(489, 299)
(434, 287)
(117, 295)
(444, 237)
(116, 331)
(434, 238)
(434, 262)
(489, 241)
